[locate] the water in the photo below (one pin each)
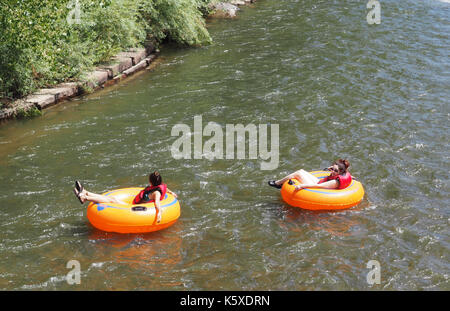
(377, 95)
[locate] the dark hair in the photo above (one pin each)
(342, 165)
(155, 179)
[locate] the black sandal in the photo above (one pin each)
(78, 195)
(273, 184)
(79, 186)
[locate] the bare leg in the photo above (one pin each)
(302, 176)
(98, 198)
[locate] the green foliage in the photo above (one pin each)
(15, 71)
(42, 43)
(30, 113)
(179, 20)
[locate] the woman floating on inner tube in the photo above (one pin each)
(340, 178)
(155, 191)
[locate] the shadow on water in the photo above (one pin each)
(335, 223)
(143, 261)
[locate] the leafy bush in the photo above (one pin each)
(26, 114)
(179, 20)
(39, 47)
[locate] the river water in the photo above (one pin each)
(377, 95)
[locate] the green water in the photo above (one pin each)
(377, 95)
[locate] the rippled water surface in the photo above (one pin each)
(338, 87)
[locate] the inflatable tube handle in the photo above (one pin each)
(139, 208)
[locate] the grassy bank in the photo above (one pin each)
(45, 42)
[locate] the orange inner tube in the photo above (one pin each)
(322, 199)
(129, 218)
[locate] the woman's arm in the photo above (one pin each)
(331, 184)
(172, 193)
(157, 196)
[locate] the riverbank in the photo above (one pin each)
(119, 67)
(122, 65)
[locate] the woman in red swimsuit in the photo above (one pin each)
(156, 192)
(340, 178)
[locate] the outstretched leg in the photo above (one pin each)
(301, 175)
(97, 198)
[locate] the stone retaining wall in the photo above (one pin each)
(122, 65)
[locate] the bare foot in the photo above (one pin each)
(82, 196)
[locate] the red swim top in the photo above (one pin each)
(143, 196)
(343, 180)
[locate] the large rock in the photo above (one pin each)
(41, 101)
(73, 86)
(61, 91)
(223, 10)
(96, 78)
(123, 62)
(112, 69)
(136, 55)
